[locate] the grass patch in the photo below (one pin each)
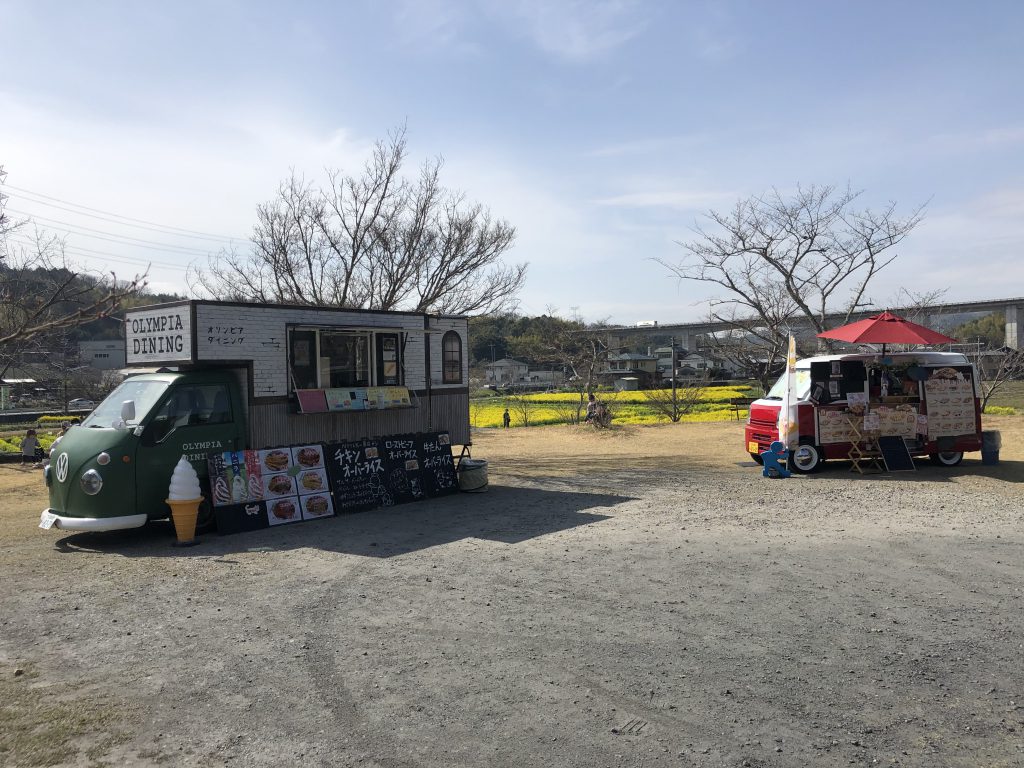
(40, 727)
(1010, 395)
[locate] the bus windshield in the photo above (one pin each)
(144, 393)
(803, 385)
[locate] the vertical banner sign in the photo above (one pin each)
(789, 426)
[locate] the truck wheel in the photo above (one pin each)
(946, 458)
(758, 458)
(205, 521)
(805, 459)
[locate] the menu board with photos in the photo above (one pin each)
(949, 394)
(834, 426)
(272, 487)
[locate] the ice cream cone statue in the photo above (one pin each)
(184, 498)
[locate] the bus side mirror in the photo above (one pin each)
(128, 410)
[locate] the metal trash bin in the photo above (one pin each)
(991, 442)
(473, 475)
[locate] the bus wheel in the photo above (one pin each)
(758, 458)
(946, 458)
(805, 459)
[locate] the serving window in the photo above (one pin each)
(337, 358)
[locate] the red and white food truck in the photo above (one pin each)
(930, 399)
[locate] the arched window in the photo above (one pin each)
(451, 365)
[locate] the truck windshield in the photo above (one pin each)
(803, 385)
(144, 393)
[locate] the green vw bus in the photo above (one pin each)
(113, 470)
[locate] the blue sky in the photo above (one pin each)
(601, 130)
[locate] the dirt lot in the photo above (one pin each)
(639, 597)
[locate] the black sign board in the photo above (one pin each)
(895, 454)
(439, 477)
(390, 470)
(356, 473)
(237, 518)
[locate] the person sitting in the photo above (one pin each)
(591, 408)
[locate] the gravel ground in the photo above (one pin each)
(619, 598)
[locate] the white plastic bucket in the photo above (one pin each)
(473, 475)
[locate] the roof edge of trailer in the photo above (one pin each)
(275, 305)
(924, 356)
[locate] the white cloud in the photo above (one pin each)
(668, 145)
(432, 25)
(992, 138)
(163, 173)
(677, 199)
(576, 30)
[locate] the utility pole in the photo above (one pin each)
(672, 343)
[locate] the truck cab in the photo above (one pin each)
(113, 470)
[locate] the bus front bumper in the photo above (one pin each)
(50, 519)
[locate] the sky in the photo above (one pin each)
(603, 130)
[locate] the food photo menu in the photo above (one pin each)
(256, 489)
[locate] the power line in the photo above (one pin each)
(160, 228)
(74, 229)
(90, 253)
(119, 216)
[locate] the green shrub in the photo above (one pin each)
(59, 419)
(1001, 410)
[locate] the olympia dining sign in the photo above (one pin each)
(159, 335)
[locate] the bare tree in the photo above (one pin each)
(580, 350)
(674, 403)
(522, 407)
(1010, 368)
(373, 241)
(805, 257)
(43, 294)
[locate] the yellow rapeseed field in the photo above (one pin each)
(626, 407)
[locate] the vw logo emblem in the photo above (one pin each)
(62, 468)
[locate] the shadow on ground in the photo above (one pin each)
(502, 514)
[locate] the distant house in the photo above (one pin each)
(643, 367)
(507, 371)
(552, 378)
(103, 355)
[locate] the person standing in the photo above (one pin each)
(29, 445)
(506, 419)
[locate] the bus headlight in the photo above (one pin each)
(91, 482)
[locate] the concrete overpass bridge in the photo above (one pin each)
(933, 316)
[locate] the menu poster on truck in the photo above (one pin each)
(949, 395)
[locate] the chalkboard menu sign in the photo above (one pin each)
(356, 472)
(390, 470)
(258, 489)
(438, 468)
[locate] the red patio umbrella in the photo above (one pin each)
(886, 328)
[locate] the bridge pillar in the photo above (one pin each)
(1011, 313)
